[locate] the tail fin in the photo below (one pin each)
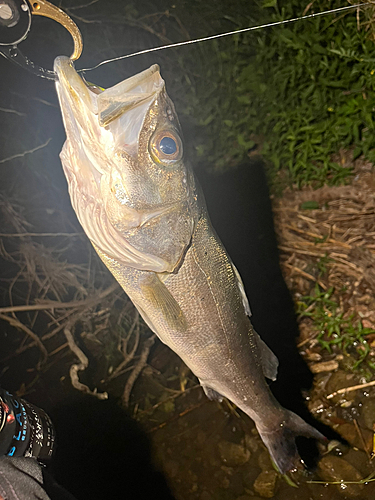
(281, 444)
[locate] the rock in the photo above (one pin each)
(332, 469)
(324, 366)
(247, 497)
(233, 454)
(265, 484)
(205, 496)
(251, 443)
(225, 482)
(340, 380)
(236, 485)
(264, 461)
(201, 438)
(361, 462)
(350, 434)
(249, 477)
(368, 412)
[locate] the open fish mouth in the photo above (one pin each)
(124, 165)
(126, 103)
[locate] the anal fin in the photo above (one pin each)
(270, 362)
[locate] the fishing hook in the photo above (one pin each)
(15, 24)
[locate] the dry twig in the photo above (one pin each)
(137, 369)
(74, 369)
(128, 356)
(53, 305)
(13, 321)
(345, 390)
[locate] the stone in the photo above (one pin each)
(340, 380)
(247, 497)
(201, 438)
(233, 454)
(350, 434)
(333, 469)
(264, 461)
(324, 366)
(225, 482)
(205, 496)
(252, 442)
(368, 413)
(249, 476)
(360, 460)
(265, 484)
(236, 484)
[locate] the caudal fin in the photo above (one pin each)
(280, 440)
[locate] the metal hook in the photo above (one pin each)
(15, 23)
(46, 9)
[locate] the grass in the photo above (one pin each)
(296, 93)
(337, 332)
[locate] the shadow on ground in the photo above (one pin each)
(103, 453)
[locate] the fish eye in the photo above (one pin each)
(166, 147)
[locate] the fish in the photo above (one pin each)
(141, 207)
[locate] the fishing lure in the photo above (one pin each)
(15, 24)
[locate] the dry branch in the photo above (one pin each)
(24, 153)
(24, 235)
(13, 321)
(74, 369)
(137, 369)
(128, 356)
(53, 305)
(345, 390)
(340, 235)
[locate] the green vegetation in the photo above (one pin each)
(335, 330)
(297, 92)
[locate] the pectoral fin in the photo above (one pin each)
(162, 301)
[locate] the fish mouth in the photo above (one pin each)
(120, 109)
(109, 117)
(122, 209)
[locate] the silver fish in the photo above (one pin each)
(140, 205)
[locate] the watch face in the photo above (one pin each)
(15, 21)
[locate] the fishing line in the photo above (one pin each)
(229, 33)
